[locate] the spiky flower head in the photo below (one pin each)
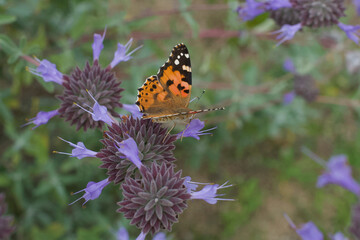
(355, 222)
(319, 13)
(284, 16)
(154, 201)
(6, 227)
(101, 83)
(153, 142)
(304, 86)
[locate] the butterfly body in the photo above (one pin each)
(166, 96)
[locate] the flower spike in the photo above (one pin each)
(41, 118)
(193, 129)
(287, 32)
(208, 193)
(120, 54)
(352, 32)
(79, 151)
(47, 71)
(98, 45)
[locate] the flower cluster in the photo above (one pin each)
(304, 85)
(337, 172)
(137, 153)
(86, 86)
(6, 222)
(293, 15)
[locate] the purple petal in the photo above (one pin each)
(42, 118)
(289, 66)
(97, 45)
(129, 148)
(339, 172)
(81, 151)
(287, 32)
(92, 190)
(277, 4)
(47, 71)
(122, 234)
(133, 109)
(357, 6)
(250, 10)
(339, 236)
(193, 129)
(352, 32)
(101, 114)
(208, 193)
(309, 231)
(159, 236)
(120, 54)
(190, 186)
(288, 97)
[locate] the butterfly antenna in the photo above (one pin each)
(198, 97)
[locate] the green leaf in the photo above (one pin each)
(6, 19)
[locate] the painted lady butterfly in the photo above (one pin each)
(166, 96)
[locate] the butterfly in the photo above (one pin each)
(166, 96)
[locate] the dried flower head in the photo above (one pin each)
(319, 13)
(284, 16)
(152, 140)
(154, 201)
(304, 86)
(104, 87)
(6, 226)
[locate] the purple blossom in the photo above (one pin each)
(99, 113)
(122, 234)
(120, 54)
(129, 148)
(159, 236)
(47, 71)
(289, 66)
(98, 45)
(339, 236)
(79, 151)
(289, 97)
(308, 231)
(208, 193)
(287, 32)
(141, 236)
(190, 186)
(193, 129)
(133, 109)
(42, 118)
(92, 191)
(352, 32)
(277, 4)
(339, 172)
(251, 10)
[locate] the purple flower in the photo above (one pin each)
(288, 97)
(79, 151)
(42, 118)
(289, 66)
(98, 45)
(287, 32)
(352, 32)
(208, 193)
(159, 236)
(47, 71)
(190, 186)
(133, 109)
(277, 4)
(120, 54)
(100, 113)
(339, 236)
(141, 236)
(339, 172)
(193, 129)
(308, 231)
(92, 191)
(251, 10)
(122, 234)
(129, 148)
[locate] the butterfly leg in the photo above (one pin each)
(168, 133)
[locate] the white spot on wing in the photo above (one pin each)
(176, 62)
(181, 54)
(178, 56)
(186, 55)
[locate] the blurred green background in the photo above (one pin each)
(257, 146)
